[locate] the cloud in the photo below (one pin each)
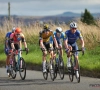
(48, 7)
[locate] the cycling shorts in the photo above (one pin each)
(48, 46)
(74, 47)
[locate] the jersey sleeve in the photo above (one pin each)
(23, 38)
(80, 35)
(66, 35)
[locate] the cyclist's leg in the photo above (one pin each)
(53, 47)
(44, 58)
(7, 59)
(68, 56)
(60, 46)
(75, 47)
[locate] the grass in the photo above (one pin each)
(90, 60)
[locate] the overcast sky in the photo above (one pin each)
(48, 7)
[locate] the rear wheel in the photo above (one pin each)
(22, 68)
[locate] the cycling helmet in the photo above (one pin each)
(45, 26)
(13, 29)
(18, 30)
(73, 25)
(59, 29)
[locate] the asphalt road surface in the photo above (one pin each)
(35, 81)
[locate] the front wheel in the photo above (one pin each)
(45, 74)
(52, 70)
(13, 70)
(22, 68)
(61, 68)
(78, 74)
(71, 71)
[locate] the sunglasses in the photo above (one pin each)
(74, 28)
(17, 34)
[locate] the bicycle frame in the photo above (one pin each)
(72, 71)
(19, 66)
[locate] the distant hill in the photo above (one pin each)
(71, 14)
(64, 17)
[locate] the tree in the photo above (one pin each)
(87, 18)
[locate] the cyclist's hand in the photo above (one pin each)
(83, 49)
(27, 50)
(67, 50)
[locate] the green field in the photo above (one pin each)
(89, 62)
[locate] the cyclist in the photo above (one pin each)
(16, 40)
(71, 37)
(8, 48)
(59, 37)
(44, 42)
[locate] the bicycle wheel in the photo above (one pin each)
(22, 68)
(13, 70)
(71, 71)
(52, 70)
(61, 68)
(78, 74)
(56, 69)
(45, 74)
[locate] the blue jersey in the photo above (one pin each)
(7, 37)
(57, 38)
(72, 38)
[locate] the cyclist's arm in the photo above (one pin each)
(24, 41)
(82, 42)
(66, 41)
(81, 39)
(41, 43)
(55, 41)
(6, 42)
(12, 41)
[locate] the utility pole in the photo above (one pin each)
(9, 11)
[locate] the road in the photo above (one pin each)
(34, 81)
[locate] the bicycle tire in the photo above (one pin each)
(71, 71)
(52, 70)
(22, 68)
(13, 70)
(78, 77)
(61, 68)
(56, 69)
(45, 74)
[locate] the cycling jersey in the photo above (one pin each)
(15, 39)
(72, 38)
(57, 38)
(45, 35)
(7, 43)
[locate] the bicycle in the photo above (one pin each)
(50, 68)
(72, 71)
(59, 66)
(18, 64)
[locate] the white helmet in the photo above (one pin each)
(59, 29)
(73, 25)
(13, 29)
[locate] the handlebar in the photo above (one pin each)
(73, 51)
(20, 50)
